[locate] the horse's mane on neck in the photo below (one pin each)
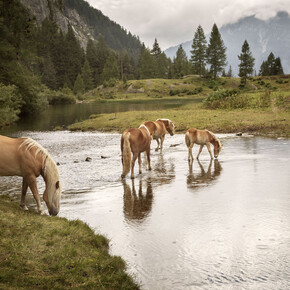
(164, 120)
(143, 126)
(215, 138)
(49, 168)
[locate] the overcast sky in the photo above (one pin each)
(175, 21)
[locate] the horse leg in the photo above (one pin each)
(200, 149)
(33, 187)
(135, 155)
(23, 194)
(162, 140)
(157, 140)
(139, 161)
(190, 156)
(148, 158)
(209, 150)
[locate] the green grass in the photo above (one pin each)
(41, 252)
(194, 115)
(262, 107)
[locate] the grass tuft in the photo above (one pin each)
(41, 252)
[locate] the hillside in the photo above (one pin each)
(87, 23)
(263, 37)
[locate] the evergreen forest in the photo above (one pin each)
(40, 64)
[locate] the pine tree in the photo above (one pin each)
(271, 64)
(198, 52)
(230, 72)
(111, 69)
(216, 52)
(162, 66)
(145, 64)
(246, 63)
(264, 69)
(180, 63)
(79, 87)
(74, 55)
(156, 51)
(103, 53)
(92, 57)
(87, 76)
(278, 69)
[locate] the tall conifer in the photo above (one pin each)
(246, 63)
(216, 52)
(198, 52)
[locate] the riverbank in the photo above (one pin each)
(54, 253)
(266, 122)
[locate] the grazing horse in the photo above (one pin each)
(26, 158)
(202, 137)
(158, 130)
(136, 141)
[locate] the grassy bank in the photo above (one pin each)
(194, 115)
(40, 252)
(261, 107)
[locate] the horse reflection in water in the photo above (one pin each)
(203, 178)
(137, 206)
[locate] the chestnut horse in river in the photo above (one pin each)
(26, 158)
(202, 137)
(158, 130)
(136, 141)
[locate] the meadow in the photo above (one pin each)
(261, 107)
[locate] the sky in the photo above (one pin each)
(172, 22)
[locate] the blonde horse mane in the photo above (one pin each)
(49, 167)
(215, 138)
(166, 120)
(143, 126)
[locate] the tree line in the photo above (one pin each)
(40, 64)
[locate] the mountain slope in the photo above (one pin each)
(263, 37)
(86, 21)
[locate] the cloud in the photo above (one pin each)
(173, 22)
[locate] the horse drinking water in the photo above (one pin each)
(158, 130)
(202, 137)
(136, 141)
(26, 158)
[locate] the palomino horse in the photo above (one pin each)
(26, 158)
(202, 137)
(136, 141)
(158, 130)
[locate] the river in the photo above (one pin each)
(216, 225)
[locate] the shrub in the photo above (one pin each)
(225, 99)
(60, 97)
(10, 104)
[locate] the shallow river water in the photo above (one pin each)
(216, 225)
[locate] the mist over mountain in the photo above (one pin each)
(263, 36)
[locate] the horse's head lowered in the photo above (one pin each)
(51, 196)
(52, 192)
(217, 147)
(168, 125)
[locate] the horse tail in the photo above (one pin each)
(126, 154)
(187, 139)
